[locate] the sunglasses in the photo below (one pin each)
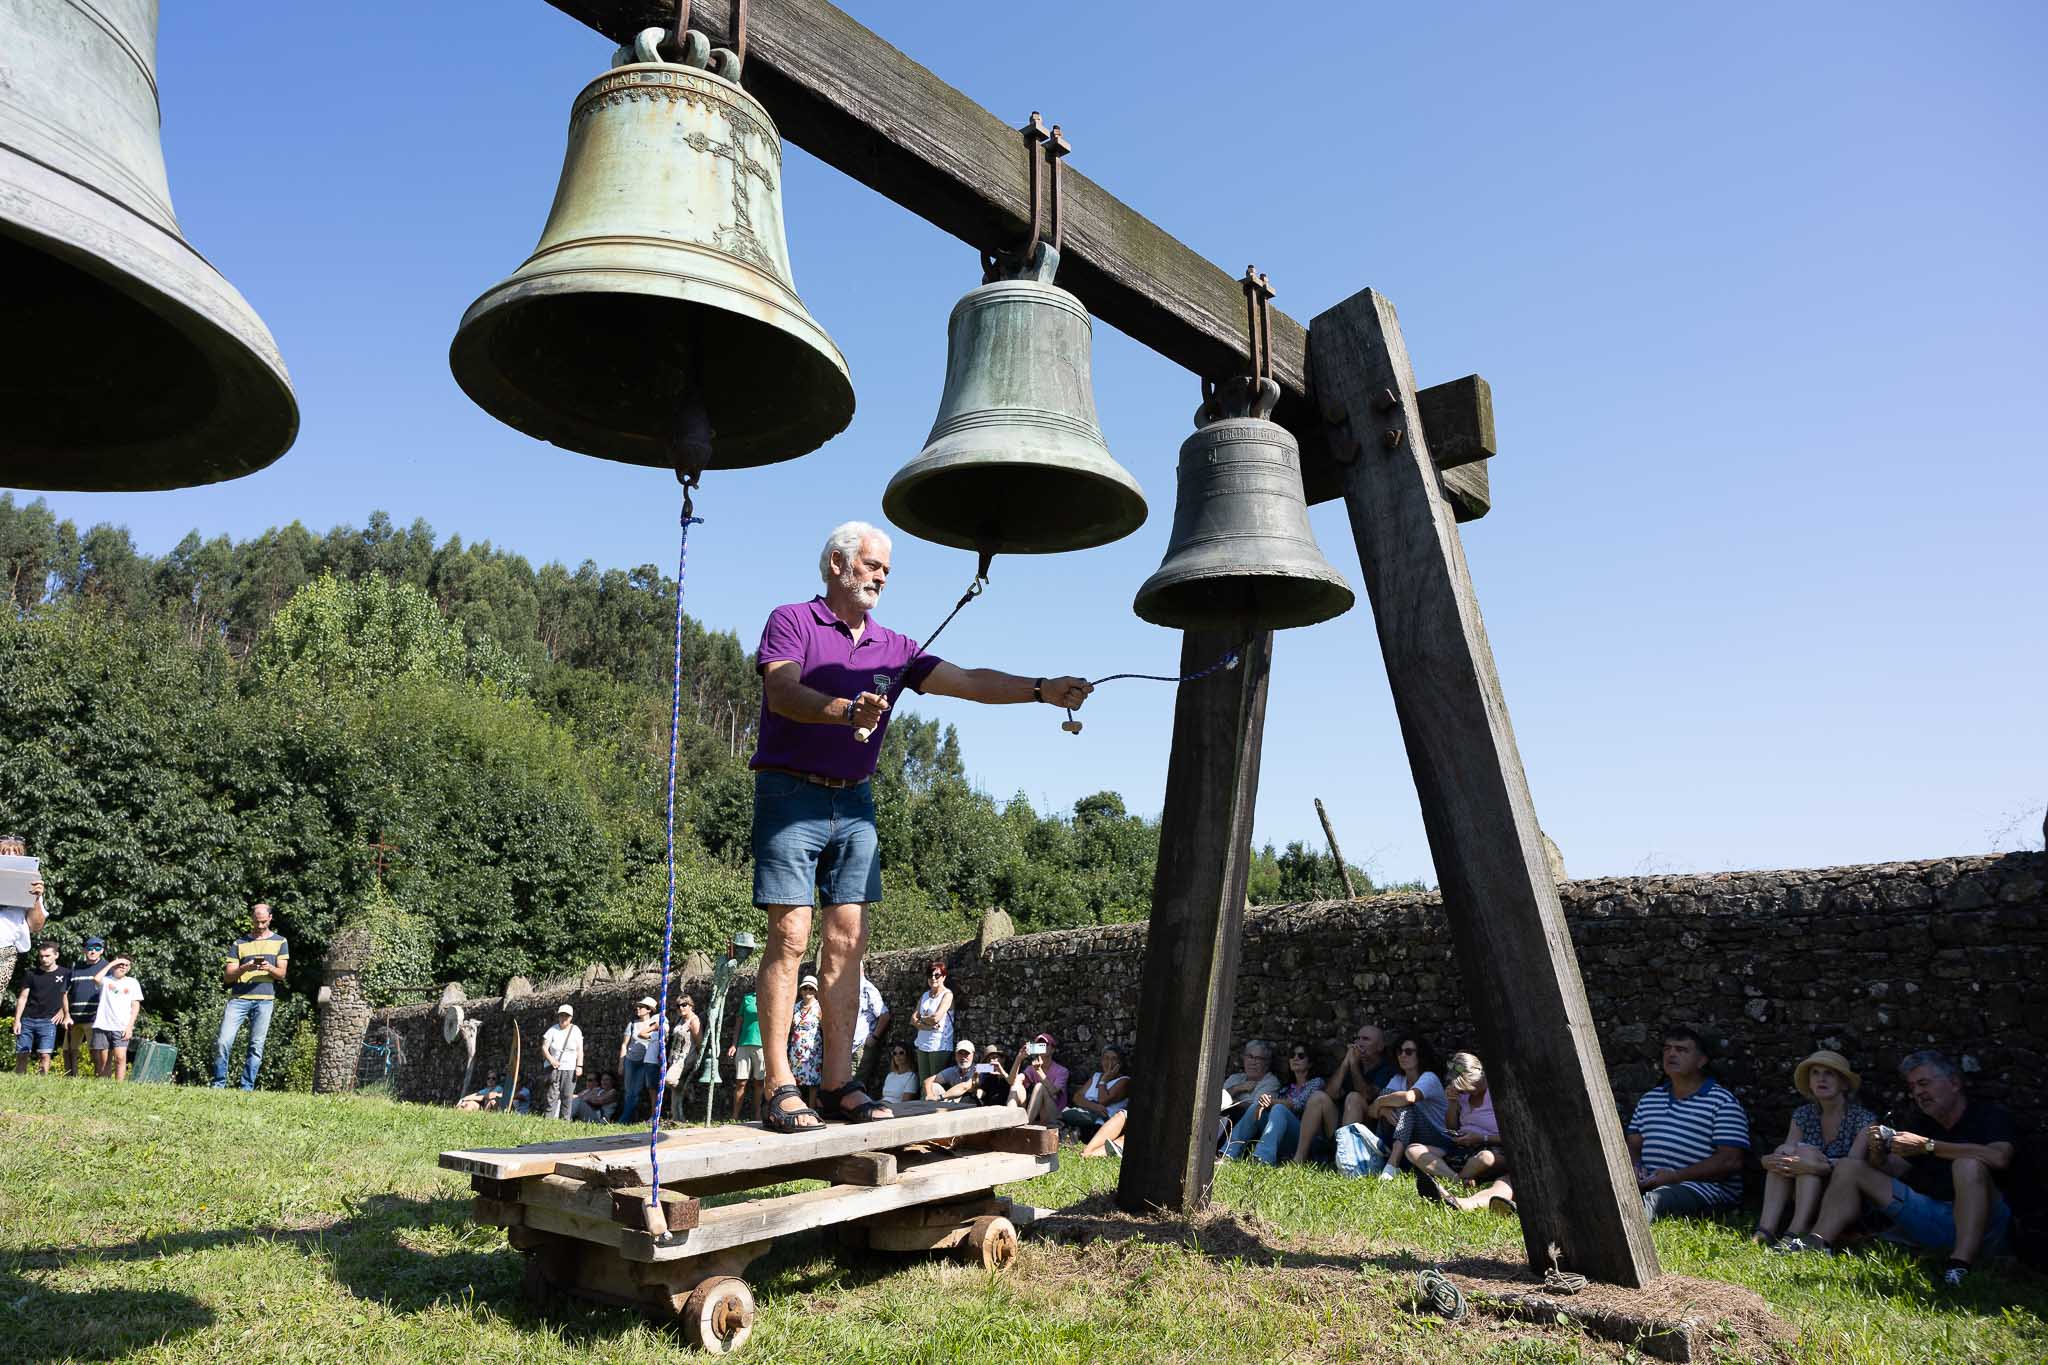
(1410, 1048)
(1300, 1056)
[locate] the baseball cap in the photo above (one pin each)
(650, 1002)
(569, 1010)
(963, 1046)
(95, 943)
(808, 980)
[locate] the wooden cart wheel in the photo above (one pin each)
(994, 1240)
(719, 1316)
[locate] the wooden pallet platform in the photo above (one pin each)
(592, 1225)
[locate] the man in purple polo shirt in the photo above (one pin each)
(825, 669)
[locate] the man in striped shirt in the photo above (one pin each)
(252, 971)
(1688, 1135)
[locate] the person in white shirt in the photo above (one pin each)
(899, 1082)
(114, 1025)
(18, 922)
(870, 1026)
(562, 1046)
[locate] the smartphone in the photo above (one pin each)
(1035, 1050)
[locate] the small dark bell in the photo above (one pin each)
(1242, 556)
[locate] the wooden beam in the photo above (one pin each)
(1572, 1175)
(1191, 945)
(837, 90)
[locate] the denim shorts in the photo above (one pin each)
(814, 845)
(1926, 1221)
(35, 1035)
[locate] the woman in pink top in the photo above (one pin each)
(1040, 1089)
(1474, 1158)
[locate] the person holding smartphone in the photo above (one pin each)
(1040, 1087)
(252, 971)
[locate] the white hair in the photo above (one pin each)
(846, 539)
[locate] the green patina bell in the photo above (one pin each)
(660, 296)
(126, 360)
(1016, 463)
(1242, 555)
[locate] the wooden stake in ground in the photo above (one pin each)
(1343, 869)
(1571, 1172)
(1191, 946)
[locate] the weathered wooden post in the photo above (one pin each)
(1191, 946)
(1514, 950)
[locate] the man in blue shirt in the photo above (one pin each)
(85, 1003)
(1688, 1135)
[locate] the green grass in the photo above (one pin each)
(176, 1224)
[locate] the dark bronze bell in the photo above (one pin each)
(1242, 556)
(1016, 463)
(661, 285)
(126, 360)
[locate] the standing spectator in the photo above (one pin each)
(638, 1062)
(85, 1003)
(562, 1048)
(1271, 1124)
(1040, 1089)
(18, 922)
(1357, 1082)
(41, 1007)
(118, 1011)
(1823, 1134)
(870, 1027)
(806, 1054)
(900, 1081)
(1940, 1178)
(683, 1052)
(1688, 1135)
(252, 972)
(934, 1021)
(749, 1062)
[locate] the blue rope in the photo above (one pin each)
(668, 928)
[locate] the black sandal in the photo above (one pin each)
(834, 1100)
(780, 1120)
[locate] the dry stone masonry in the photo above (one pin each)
(1874, 961)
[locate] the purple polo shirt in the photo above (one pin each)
(829, 660)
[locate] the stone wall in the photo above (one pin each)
(1873, 961)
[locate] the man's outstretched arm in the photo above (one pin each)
(999, 688)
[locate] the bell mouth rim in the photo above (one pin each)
(255, 420)
(1333, 582)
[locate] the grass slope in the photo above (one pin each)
(175, 1224)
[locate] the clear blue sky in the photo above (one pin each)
(1760, 294)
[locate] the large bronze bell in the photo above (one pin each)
(661, 285)
(126, 361)
(1242, 556)
(1016, 463)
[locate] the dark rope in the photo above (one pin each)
(1230, 659)
(890, 686)
(1439, 1294)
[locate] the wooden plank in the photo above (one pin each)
(1032, 1139)
(860, 1168)
(1469, 491)
(1571, 1172)
(537, 1158)
(837, 90)
(1457, 421)
(1191, 946)
(742, 1148)
(501, 1213)
(601, 1231)
(496, 1189)
(763, 1219)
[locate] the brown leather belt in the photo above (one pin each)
(835, 783)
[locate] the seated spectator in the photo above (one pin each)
(598, 1101)
(1270, 1126)
(1941, 1178)
(900, 1081)
(991, 1078)
(1413, 1103)
(1109, 1138)
(1474, 1158)
(1360, 1076)
(1824, 1131)
(953, 1082)
(1040, 1089)
(489, 1095)
(522, 1102)
(1243, 1088)
(1688, 1135)
(1107, 1094)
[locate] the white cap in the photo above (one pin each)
(650, 1002)
(808, 980)
(963, 1046)
(569, 1010)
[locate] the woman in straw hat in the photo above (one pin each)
(1826, 1129)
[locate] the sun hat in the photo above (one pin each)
(996, 1048)
(1834, 1061)
(808, 980)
